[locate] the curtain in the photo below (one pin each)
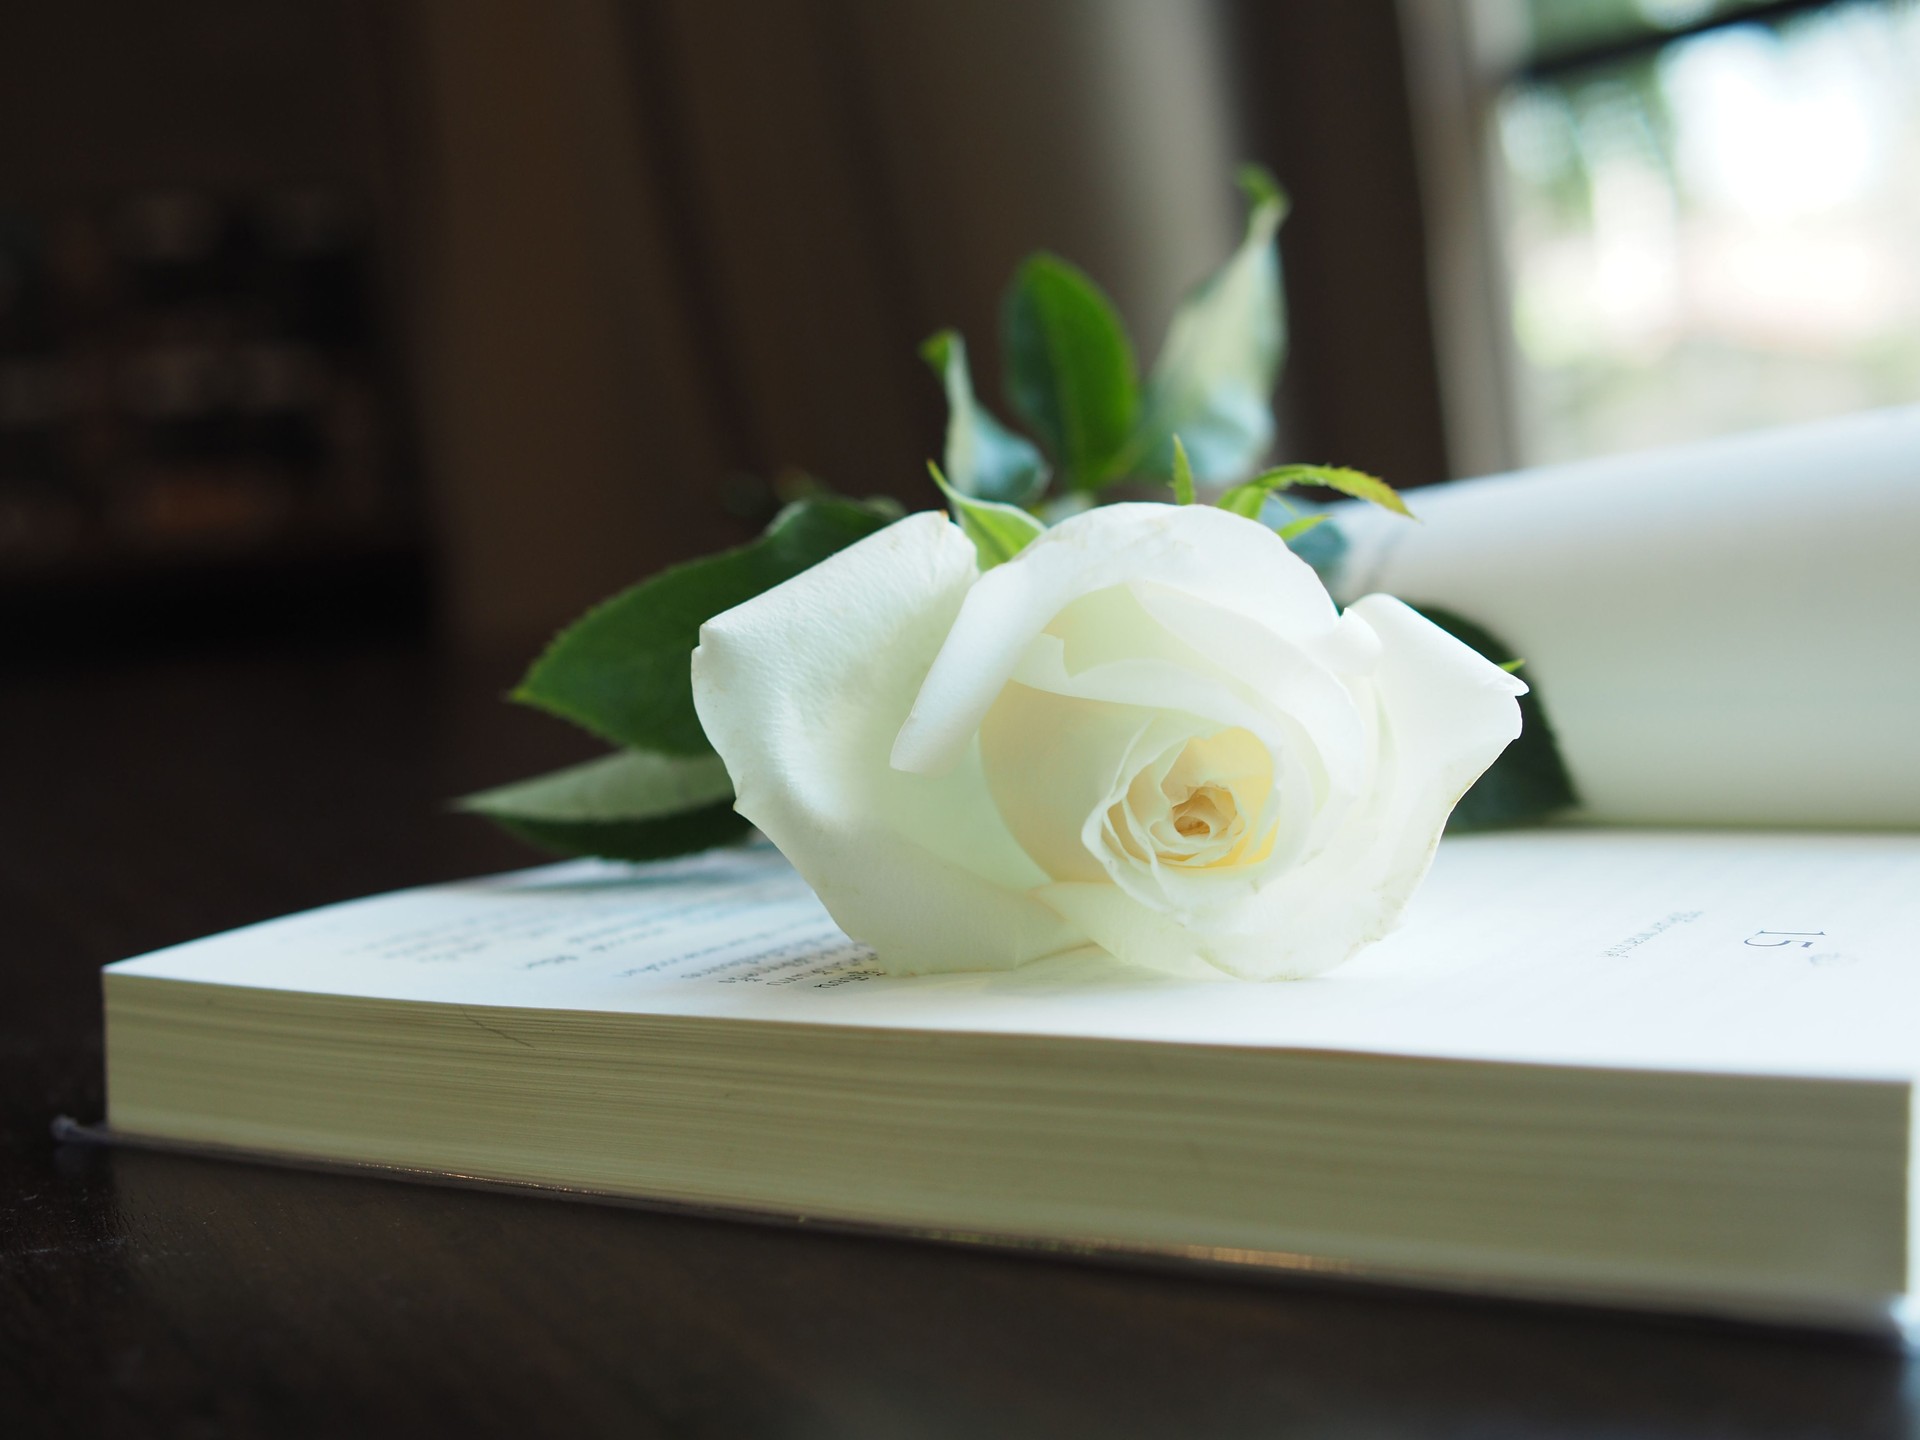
(663, 251)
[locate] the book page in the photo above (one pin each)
(1743, 952)
(1721, 633)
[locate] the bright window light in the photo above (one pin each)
(1716, 234)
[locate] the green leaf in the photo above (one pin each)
(999, 532)
(623, 671)
(634, 805)
(1214, 379)
(1530, 780)
(627, 785)
(1294, 529)
(1070, 369)
(1248, 500)
(1182, 474)
(1312, 535)
(983, 457)
(1357, 483)
(686, 834)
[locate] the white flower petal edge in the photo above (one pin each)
(802, 690)
(1444, 714)
(1151, 733)
(1204, 552)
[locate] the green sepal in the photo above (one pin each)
(1070, 369)
(1213, 382)
(1530, 781)
(1294, 529)
(983, 457)
(622, 670)
(1250, 498)
(1183, 475)
(634, 805)
(1357, 483)
(999, 532)
(1245, 500)
(1263, 192)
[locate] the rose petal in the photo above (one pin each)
(802, 690)
(1444, 715)
(1202, 551)
(1448, 712)
(1054, 763)
(1203, 702)
(1132, 933)
(1278, 673)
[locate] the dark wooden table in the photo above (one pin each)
(143, 1294)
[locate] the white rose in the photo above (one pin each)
(1151, 732)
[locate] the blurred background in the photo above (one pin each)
(436, 320)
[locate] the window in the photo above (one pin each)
(1706, 216)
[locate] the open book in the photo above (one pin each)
(1658, 1069)
(1721, 633)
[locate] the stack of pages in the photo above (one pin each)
(1654, 1068)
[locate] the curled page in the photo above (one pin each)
(1721, 633)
